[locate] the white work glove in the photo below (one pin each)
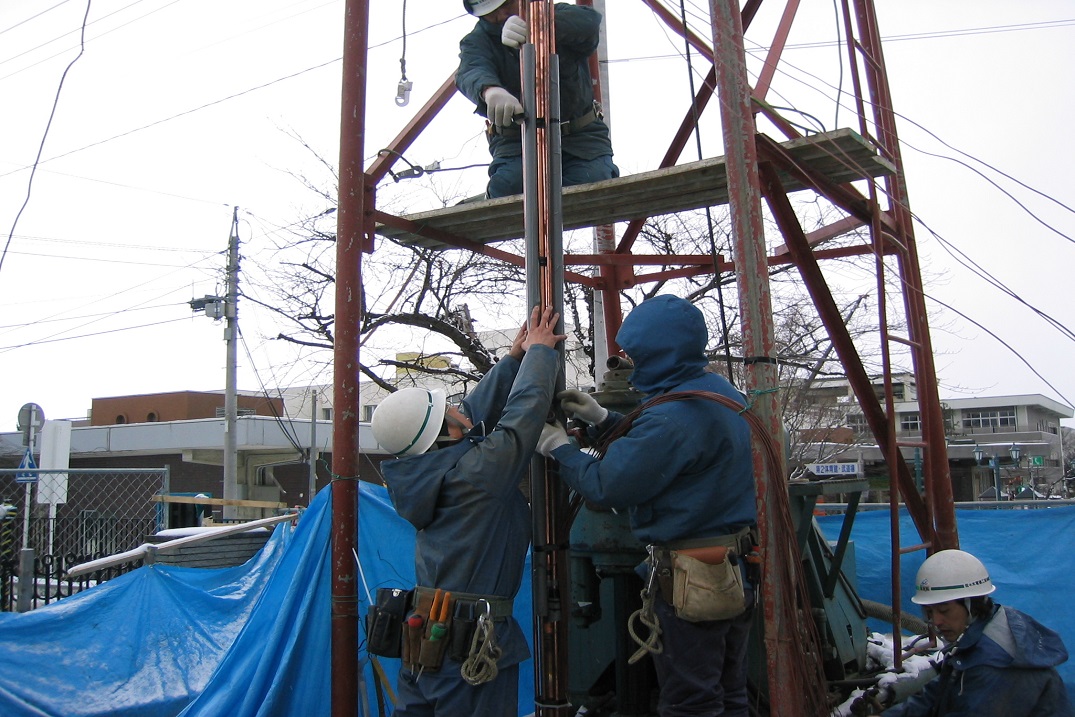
(515, 32)
(502, 106)
(553, 436)
(582, 405)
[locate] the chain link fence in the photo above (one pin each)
(54, 519)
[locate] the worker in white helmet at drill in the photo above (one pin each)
(1000, 662)
(684, 472)
(473, 525)
(489, 75)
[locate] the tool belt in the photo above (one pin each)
(566, 128)
(422, 625)
(703, 579)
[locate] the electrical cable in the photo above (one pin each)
(44, 136)
(107, 32)
(976, 268)
(1006, 345)
(980, 272)
(403, 89)
(33, 17)
(177, 115)
(725, 333)
(86, 336)
(289, 427)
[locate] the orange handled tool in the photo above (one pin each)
(434, 611)
(443, 617)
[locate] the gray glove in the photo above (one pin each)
(514, 32)
(582, 405)
(553, 436)
(502, 106)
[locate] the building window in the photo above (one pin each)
(121, 419)
(326, 414)
(238, 412)
(910, 422)
(151, 417)
(857, 422)
(367, 412)
(990, 418)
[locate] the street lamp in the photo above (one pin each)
(1015, 453)
(994, 461)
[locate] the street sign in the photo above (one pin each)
(1036, 460)
(833, 469)
(29, 465)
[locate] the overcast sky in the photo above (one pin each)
(179, 110)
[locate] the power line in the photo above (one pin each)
(33, 17)
(97, 259)
(118, 245)
(180, 114)
(86, 336)
(41, 147)
(38, 322)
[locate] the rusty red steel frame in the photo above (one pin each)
(752, 159)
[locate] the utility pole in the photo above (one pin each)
(313, 447)
(231, 338)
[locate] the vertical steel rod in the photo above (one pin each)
(351, 240)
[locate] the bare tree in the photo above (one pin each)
(432, 291)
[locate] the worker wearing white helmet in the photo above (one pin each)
(1000, 662)
(489, 75)
(473, 524)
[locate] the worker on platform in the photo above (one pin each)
(489, 75)
(684, 472)
(473, 525)
(999, 663)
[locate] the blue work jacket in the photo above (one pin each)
(486, 62)
(1001, 667)
(472, 519)
(684, 470)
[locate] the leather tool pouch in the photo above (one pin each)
(425, 641)
(707, 584)
(464, 623)
(384, 622)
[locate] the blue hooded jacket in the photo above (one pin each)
(484, 61)
(1001, 667)
(473, 522)
(684, 470)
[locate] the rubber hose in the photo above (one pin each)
(880, 611)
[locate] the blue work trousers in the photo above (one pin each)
(702, 671)
(444, 693)
(506, 173)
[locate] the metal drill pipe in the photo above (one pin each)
(544, 264)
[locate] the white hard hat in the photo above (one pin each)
(408, 422)
(951, 575)
(482, 7)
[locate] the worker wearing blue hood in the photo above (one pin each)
(684, 472)
(473, 525)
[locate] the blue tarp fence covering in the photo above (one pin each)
(1028, 554)
(254, 640)
(251, 640)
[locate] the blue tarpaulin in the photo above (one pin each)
(144, 643)
(254, 640)
(251, 640)
(1027, 553)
